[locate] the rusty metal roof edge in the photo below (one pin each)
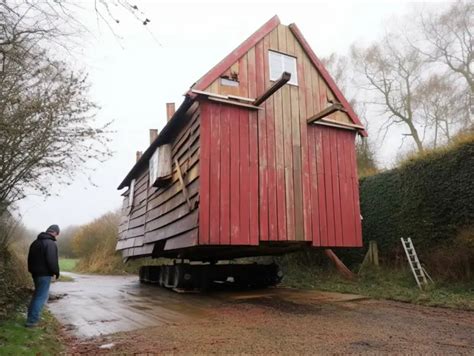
(161, 138)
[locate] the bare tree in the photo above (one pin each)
(444, 105)
(449, 39)
(393, 73)
(47, 129)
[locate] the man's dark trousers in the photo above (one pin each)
(40, 297)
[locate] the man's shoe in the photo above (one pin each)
(28, 325)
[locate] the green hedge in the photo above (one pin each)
(430, 199)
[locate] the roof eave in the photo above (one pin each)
(236, 54)
(327, 77)
(160, 139)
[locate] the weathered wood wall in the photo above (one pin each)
(283, 144)
(163, 213)
(229, 176)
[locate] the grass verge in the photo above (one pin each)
(384, 284)
(63, 278)
(16, 339)
(67, 264)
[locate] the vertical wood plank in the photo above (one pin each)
(244, 216)
(279, 152)
(296, 147)
(287, 145)
(346, 194)
(333, 136)
(329, 188)
(225, 175)
(253, 151)
(322, 208)
(214, 87)
(310, 84)
(288, 162)
(297, 171)
(270, 134)
(290, 42)
(214, 191)
(262, 144)
(204, 162)
(244, 178)
(315, 83)
(234, 175)
(350, 195)
(281, 38)
(243, 77)
(323, 100)
(305, 166)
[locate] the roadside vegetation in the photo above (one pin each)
(386, 282)
(67, 264)
(15, 291)
(428, 197)
(92, 248)
(15, 339)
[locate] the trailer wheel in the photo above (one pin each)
(141, 274)
(169, 276)
(162, 279)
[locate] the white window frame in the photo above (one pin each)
(131, 193)
(281, 60)
(153, 167)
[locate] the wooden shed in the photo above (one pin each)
(258, 159)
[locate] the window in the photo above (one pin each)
(160, 166)
(280, 63)
(153, 169)
(131, 193)
(229, 82)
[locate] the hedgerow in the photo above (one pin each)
(429, 198)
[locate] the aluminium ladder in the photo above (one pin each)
(415, 265)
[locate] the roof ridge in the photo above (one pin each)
(233, 56)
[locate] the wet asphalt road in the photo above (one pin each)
(93, 309)
(94, 305)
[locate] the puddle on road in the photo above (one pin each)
(100, 305)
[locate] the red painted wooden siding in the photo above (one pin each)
(234, 169)
(228, 211)
(334, 188)
(300, 181)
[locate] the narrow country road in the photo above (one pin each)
(93, 305)
(126, 317)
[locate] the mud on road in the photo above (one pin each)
(112, 314)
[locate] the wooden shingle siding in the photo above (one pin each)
(163, 213)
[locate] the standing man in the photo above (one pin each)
(43, 264)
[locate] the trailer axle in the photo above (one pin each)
(192, 277)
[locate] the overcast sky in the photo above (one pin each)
(132, 78)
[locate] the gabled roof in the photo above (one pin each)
(326, 76)
(219, 69)
(236, 54)
(250, 42)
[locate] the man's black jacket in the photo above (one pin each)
(43, 256)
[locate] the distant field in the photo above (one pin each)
(67, 264)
